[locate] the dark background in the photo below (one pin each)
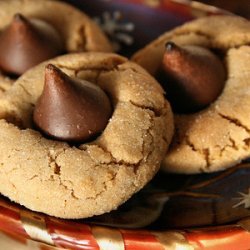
(149, 23)
(239, 7)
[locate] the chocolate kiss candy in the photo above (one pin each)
(71, 109)
(25, 43)
(194, 77)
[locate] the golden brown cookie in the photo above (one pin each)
(5, 83)
(218, 136)
(76, 30)
(77, 181)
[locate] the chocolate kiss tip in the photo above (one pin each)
(53, 75)
(170, 46)
(50, 68)
(19, 17)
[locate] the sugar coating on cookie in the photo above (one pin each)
(92, 178)
(218, 136)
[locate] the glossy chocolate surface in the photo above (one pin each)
(71, 109)
(193, 77)
(27, 42)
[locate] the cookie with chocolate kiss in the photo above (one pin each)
(211, 107)
(82, 159)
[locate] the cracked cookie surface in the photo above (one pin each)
(77, 30)
(92, 178)
(217, 137)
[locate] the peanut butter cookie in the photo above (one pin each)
(78, 180)
(217, 136)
